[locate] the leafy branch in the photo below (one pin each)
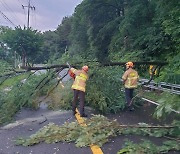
(148, 147)
(98, 130)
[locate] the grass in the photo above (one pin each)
(13, 80)
(154, 96)
(61, 97)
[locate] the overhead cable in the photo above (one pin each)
(5, 17)
(10, 10)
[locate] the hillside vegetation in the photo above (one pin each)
(103, 31)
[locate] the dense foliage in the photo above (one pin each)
(22, 92)
(4, 67)
(25, 41)
(100, 93)
(147, 147)
(104, 90)
(61, 97)
(168, 103)
(98, 30)
(104, 30)
(136, 30)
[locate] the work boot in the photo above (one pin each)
(126, 107)
(83, 115)
(131, 109)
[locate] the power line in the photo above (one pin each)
(21, 5)
(34, 16)
(9, 9)
(20, 2)
(29, 7)
(33, 19)
(5, 17)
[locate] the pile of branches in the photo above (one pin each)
(97, 132)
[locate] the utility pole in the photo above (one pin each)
(29, 7)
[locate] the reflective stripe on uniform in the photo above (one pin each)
(130, 84)
(83, 76)
(80, 80)
(78, 88)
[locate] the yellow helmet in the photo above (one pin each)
(129, 64)
(85, 68)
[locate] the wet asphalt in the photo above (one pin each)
(28, 122)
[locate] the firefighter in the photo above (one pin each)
(130, 79)
(79, 85)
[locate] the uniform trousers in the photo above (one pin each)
(129, 96)
(81, 95)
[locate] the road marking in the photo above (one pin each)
(94, 148)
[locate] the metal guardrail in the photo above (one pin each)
(154, 85)
(163, 86)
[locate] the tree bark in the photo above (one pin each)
(98, 64)
(23, 59)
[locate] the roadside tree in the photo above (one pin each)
(25, 41)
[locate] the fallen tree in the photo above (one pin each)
(98, 130)
(28, 68)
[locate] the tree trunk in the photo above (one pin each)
(23, 59)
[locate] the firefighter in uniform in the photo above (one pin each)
(130, 79)
(79, 85)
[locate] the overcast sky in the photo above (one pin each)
(46, 16)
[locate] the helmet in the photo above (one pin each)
(129, 64)
(85, 68)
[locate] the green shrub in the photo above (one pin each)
(4, 67)
(13, 80)
(61, 97)
(2, 97)
(21, 95)
(104, 90)
(168, 102)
